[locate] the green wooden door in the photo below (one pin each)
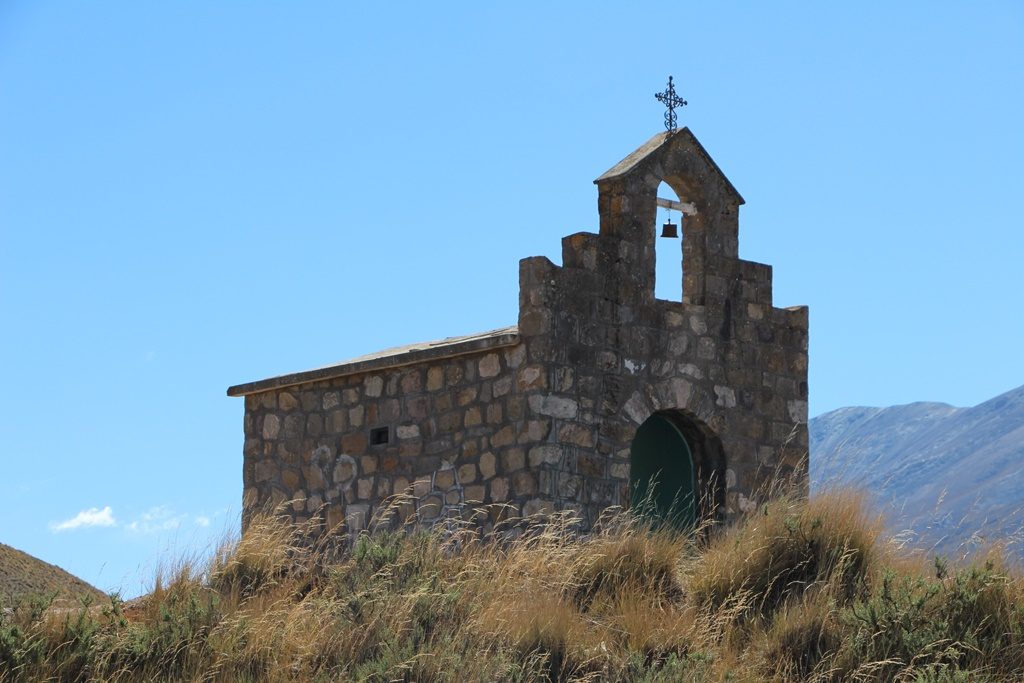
(661, 479)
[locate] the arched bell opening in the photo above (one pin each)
(668, 250)
(677, 470)
(679, 262)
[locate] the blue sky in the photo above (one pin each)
(198, 194)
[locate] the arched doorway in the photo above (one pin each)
(662, 477)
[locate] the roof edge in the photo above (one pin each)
(418, 353)
(637, 156)
(631, 160)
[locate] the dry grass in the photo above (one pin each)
(799, 591)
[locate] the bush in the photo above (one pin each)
(786, 549)
(971, 621)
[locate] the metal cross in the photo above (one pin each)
(670, 100)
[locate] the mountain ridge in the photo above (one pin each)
(953, 477)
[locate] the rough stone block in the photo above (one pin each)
(467, 473)
(314, 425)
(537, 507)
(725, 397)
(412, 448)
(487, 465)
(412, 382)
(591, 465)
(515, 356)
(575, 433)
(344, 470)
(417, 408)
(568, 485)
(530, 377)
(315, 479)
(489, 365)
(513, 459)
(405, 432)
(430, 507)
(335, 515)
(266, 470)
(504, 437)
(524, 483)
(287, 401)
(390, 410)
(554, 406)
(355, 416)
(271, 426)
(466, 396)
(499, 489)
(472, 417)
(354, 443)
(337, 421)
(475, 493)
(515, 409)
(444, 479)
(422, 486)
(548, 454)
(357, 516)
(373, 386)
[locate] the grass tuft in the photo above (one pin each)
(798, 591)
(786, 549)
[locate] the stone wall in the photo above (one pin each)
(459, 429)
(541, 418)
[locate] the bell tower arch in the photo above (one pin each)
(628, 205)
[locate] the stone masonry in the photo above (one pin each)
(540, 416)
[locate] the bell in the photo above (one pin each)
(669, 229)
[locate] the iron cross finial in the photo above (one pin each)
(670, 100)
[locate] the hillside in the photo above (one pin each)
(22, 575)
(802, 591)
(954, 477)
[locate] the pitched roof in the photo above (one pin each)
(656, 145)
(389, 358)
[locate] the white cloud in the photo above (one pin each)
(155, 520)
(85, 519)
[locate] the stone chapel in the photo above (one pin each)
(601, 395)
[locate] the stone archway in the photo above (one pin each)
(677, 469)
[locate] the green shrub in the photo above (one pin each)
(971, 621)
